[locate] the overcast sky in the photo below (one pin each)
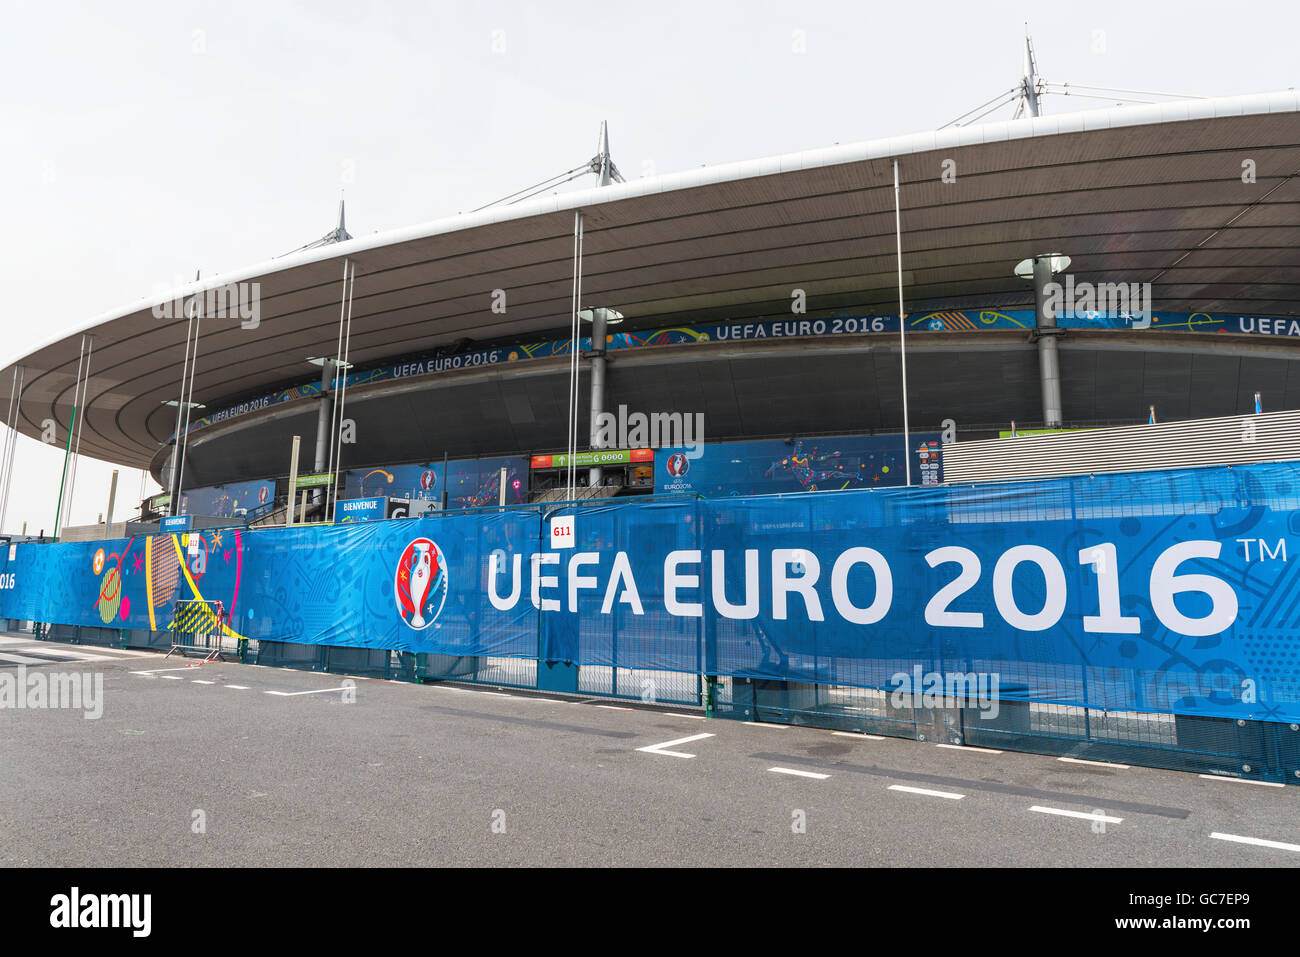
(141, 141)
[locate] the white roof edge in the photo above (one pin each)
(1085, 120)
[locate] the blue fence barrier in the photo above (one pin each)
(1171, 592)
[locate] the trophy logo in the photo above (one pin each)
(428, 480)
(420, 583)
(261, 494)
(678, 465)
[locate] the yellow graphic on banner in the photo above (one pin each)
(225, 629)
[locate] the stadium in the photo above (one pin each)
(460, 328)
(834, 319)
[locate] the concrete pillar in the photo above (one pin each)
(1049, 365)
(599, 329)
(323, 417)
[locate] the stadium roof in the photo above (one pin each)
(1137, 194)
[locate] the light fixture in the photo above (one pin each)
(321, 360)
(612, 317)
(1025, 268)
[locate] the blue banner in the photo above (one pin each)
(1160, 591)
(226, 501)
(823, 463)
(470, 483)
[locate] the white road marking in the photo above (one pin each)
(963, 747)
(858, 734)
(238, 687)
(1237, 838)
(294, 694)
(24, 660)
(155, 671)
(57, 651)
(768, 724)
(613, 707)
(127, 652)
(1095, 764)
(1081, 815)
(678, 714)
(199, 682)
(497, 694)
(1224, 777)
(928, 793)
(171, 677)
(802, 774)
(659, 748)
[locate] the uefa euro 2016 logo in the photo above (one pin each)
(678, 465)
(420, 583)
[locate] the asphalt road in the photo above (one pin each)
(286, 771)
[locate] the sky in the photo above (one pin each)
(140, 141)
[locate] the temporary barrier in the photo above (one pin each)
(1150, 609)
(197, 627)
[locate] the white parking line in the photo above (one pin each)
(928, 793)
(1224, 777)
(157, 671)
(24, 660)
(170, 677)
(963, 747)
(677, 714)
(67, 655)
(802, 774)
(659, 748)
(858, 734)
(1081, 815)
(238, 687)
(1237, 838)
(1095, 764)
(294, 694)
(197, 681)
(613, 707)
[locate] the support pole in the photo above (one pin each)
(597, 386)
(1049, 366)
(173, 483)
(573, 353)
(112, 499)
(902, 327)
(324, 418)
(336, 460)
(290, 499)
(326, 421)
(67, 449)
(85, 408)
(11, 442)
(184, 438)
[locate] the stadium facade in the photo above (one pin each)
(761, 295)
